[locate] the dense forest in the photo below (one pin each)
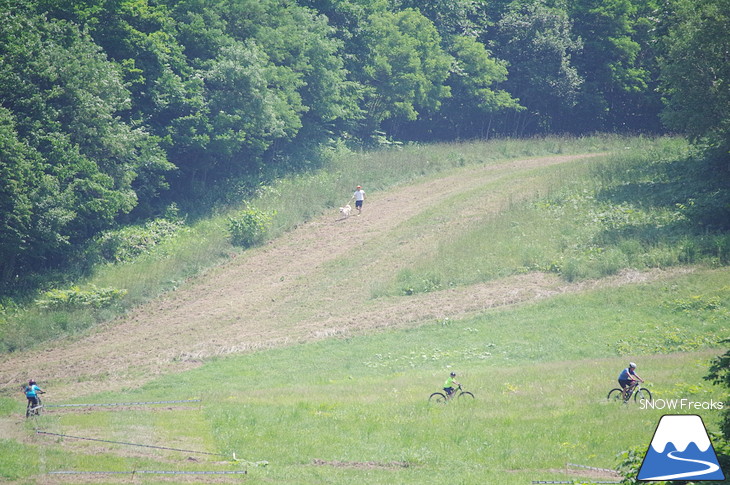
(113, 111)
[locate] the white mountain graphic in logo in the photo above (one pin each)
(680, 450)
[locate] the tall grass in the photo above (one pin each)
(164, 268)
(301, 197)
(586, 221)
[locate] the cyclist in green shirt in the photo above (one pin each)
(451, 384)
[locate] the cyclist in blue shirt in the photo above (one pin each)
(628, 378)
(31, 393)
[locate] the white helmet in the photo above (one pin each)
(632, 365)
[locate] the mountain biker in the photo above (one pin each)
(451, 384)
(628, 378)
(31, 393)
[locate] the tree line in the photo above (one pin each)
(110, 110)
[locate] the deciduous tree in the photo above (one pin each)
(61, 99)
(538, 43)
(695, 73)
(405, 68)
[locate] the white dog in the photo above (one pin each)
(345, 211)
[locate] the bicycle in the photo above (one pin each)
(443, 398)
(34, 410)
(639, 393)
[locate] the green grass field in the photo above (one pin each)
(540, 391)
(354, 409)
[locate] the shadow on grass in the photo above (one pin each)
(692, 194)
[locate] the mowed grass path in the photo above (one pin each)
(354, 410)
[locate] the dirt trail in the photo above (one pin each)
(278, 295)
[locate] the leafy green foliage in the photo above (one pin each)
(474, 80)
(129, 242)
(75, 160)
(75, 297)
(719, 373)
(539, 42)
(451, 17)
(630, 464)
(695, 73)
(254, 104)
(249, 227)
(609, 61)
(407, 64)
(16, 192)
(303, 46)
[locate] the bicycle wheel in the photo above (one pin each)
(33, 410)
(466, 396)
(437, 398)
(642, 394)
(615, 394)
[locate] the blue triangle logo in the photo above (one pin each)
(680, 450)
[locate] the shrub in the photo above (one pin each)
(249, 227)
(696, 303)
(75, 297)
(129, 242)
(630, 464)
(719, 373)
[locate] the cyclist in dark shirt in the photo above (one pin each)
(628, 378)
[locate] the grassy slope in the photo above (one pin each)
(296, 199)
(354, 410)
(362, 401)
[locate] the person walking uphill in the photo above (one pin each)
(359, 197)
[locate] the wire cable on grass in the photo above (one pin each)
(156, 472)
(129, 444)
(571, 482)
(607, 470)
(120, 403)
